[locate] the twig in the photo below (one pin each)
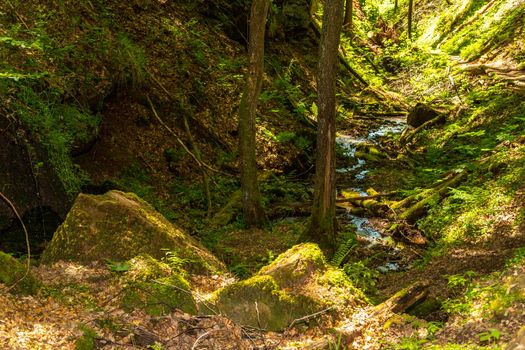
(307, 317)
(204, 335)
(18, 15)
(12, 206)
(199, 163)
(258, 316)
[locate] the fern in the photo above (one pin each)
(348, 243)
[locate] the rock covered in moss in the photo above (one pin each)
(421, 114)
(298, 264)
(298, 283)
(119, 226)
(11, 270)
(155, 287)
(259, 302)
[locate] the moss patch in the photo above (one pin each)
(296, 265)
(259, 302)
(154, 287)
(11, 270)
(119, 226)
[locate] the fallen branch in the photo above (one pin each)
(417, 210)
(402, 300)
(195, 158)
(308, 317)
(409, 135)
(362, 198)
(13, 208)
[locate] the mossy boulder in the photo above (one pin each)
(259, 302)
(119, 226)
(421, 114)
(298, 283)
(11, 270)
(155, 287)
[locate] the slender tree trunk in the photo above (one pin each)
(322, 224)
(251, 199)
(396, 5)
(349, 12)
(410, 11)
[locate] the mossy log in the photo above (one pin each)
(402, 300)
(420, 207)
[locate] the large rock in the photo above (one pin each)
(119, 226)
(12, 271)
(421, 114)
(298, 283)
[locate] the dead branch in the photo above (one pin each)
(195, 158)
(308, 317)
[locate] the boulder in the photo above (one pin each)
(155, 287)
(421, 114)
(119, 226)
(11, 270)
(298, 283)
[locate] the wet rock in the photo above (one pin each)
(11, 271)
(421, 114)
(119, 226)
(298, 283)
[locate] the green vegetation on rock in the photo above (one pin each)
(11, 271)
(119, 226)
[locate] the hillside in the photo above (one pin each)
(121, 220)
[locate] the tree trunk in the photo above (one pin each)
(349, 12)
(252, 208)
(410, 11)
(322, 224)
(396, 5)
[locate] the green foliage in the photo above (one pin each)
(490, 336)
(87, 340)
(347, 242)
(362, 276)
(129, 62)
(117, 266)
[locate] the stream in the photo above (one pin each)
(350, 145)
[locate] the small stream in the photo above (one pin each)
(364, 229)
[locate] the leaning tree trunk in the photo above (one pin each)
(410, 11)
(322, 224)
(349, 12)
(251, 199)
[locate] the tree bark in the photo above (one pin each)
(251, 199)
(349, 12)
(322, 224)
(410, 11)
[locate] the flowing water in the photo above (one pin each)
(364, 229)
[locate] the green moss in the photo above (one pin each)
(11, 270)
(259, 302)
(296, 265)
(118, 226)
(87, 340)
(154, 287)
